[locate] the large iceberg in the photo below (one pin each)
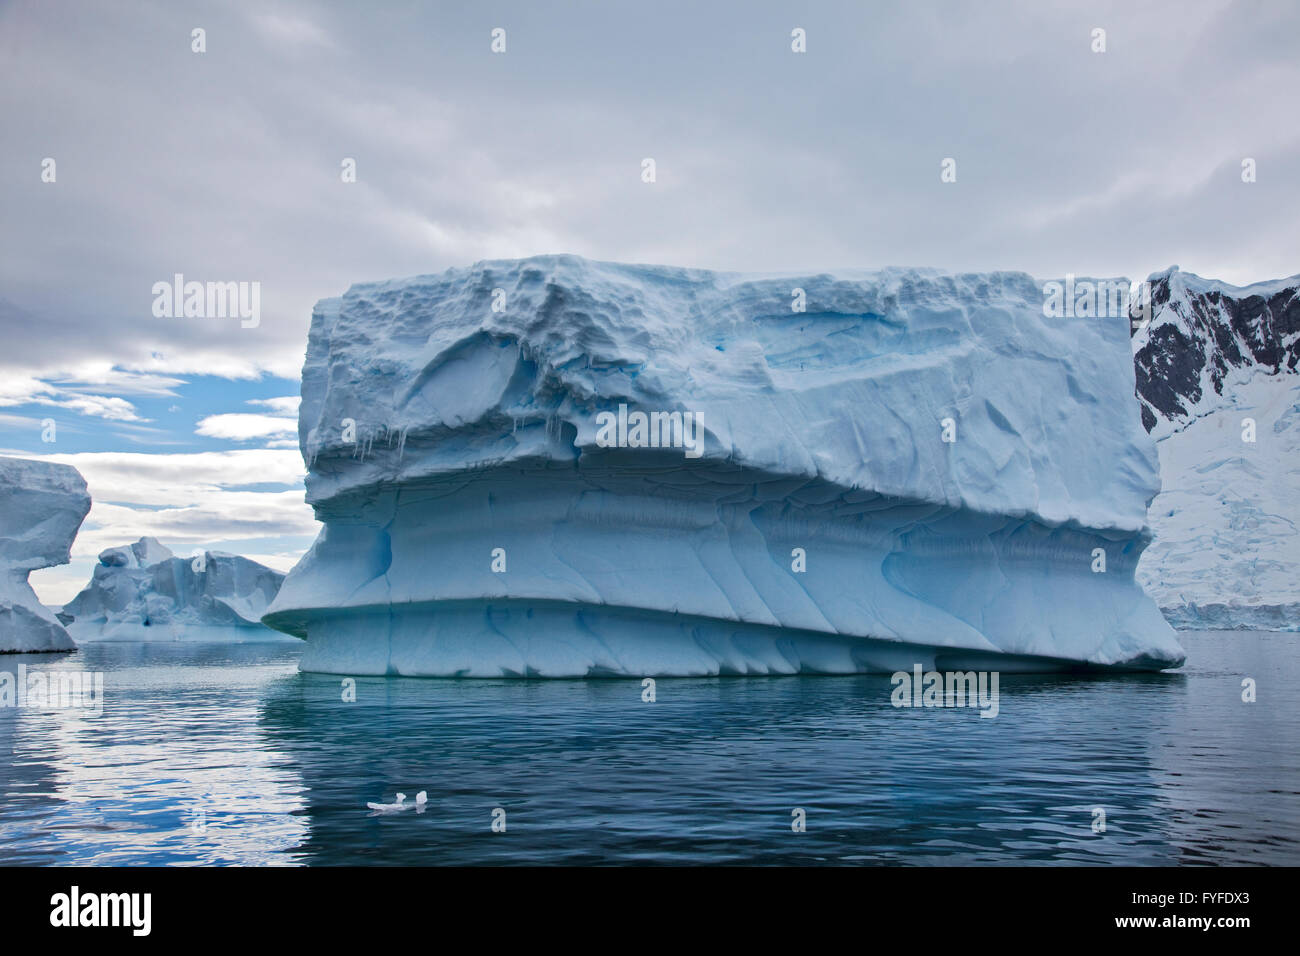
(42, 504)
(869, 470)
(143, 592)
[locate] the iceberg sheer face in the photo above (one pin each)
(886, 468)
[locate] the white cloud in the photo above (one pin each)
(240, 426)
(23, 389)
(107, 377)
(245, 426)
(98, 406)
(288, 405)
(29, 389)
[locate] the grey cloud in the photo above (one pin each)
(225, 165)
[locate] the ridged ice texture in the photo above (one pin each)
(476, 430)
(42, 504)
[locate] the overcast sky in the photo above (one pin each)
(225, 166)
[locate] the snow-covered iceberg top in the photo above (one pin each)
(869, 467)
(851, 391)
(42, 504)
(143, 592)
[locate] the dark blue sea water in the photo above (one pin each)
(225, 755)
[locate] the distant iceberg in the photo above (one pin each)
(42, 504)
(143, 592)
(894, 467)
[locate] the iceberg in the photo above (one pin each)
(891, 468)
(143, 592)
(42, 504)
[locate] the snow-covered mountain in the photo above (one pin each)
(1216, 372)
(142, 592)
(874, 470)
(1207, 338)
(42, 505)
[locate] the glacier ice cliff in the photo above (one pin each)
(42, 504)
(916, 467)
(143, 592)
(1217, 376)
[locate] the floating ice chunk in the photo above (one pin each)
(394, 807)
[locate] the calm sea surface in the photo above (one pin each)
(227, 755)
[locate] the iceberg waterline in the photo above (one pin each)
(920, 467)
